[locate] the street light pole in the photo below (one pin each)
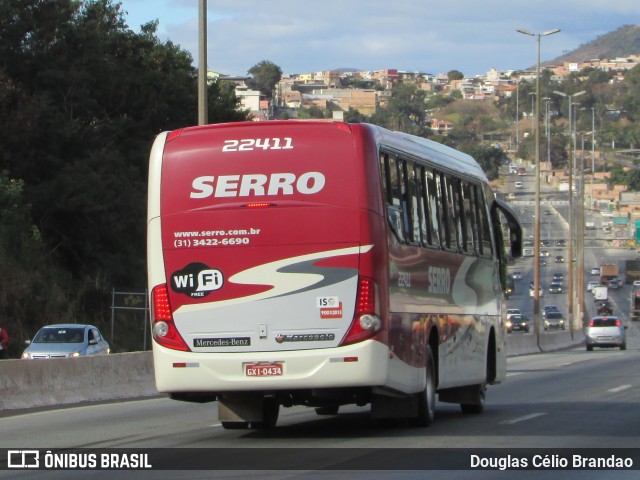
(536, 232)
(517, 115)
(202, 61)
(580, 238)
(533, 110)
(593, 153)
(547, 129)
(573, 225)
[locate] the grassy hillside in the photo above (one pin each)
(622, 42)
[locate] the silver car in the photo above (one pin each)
(606, 331)
(553, 319)
(66, 341)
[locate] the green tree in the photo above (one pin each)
(311, 112)
(633, 179)
(489, 158)
(455, 75)
(265, 76)
(405, 110)
(354, 116)
(32, 290)
(81, 99)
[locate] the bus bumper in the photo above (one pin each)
(363, 364)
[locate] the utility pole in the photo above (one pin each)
(202, 64)
(536, 231)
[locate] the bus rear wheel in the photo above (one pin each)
(427, 398)
(477, 405)
(270, 412)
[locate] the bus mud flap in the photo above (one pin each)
(383, 406)
(240, 408)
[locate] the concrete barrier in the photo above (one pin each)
(37, 383)
(40, 383)
(523, 344)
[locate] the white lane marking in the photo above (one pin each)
(619, 389)
(512, 374)
(522, 419)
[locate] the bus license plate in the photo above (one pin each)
(264, 370)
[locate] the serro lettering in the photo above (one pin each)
(258, 185)
(439, 280)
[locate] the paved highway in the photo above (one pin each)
(573, 398)
(567, 399)
(554, 217)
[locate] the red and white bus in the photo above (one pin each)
(323, 264)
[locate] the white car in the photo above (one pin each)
(592, 284)
(519, 185)
(595, 271)
(606, 332)
(540, 292)
(513, 311)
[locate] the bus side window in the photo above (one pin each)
(394, 198)
(468, 190)
(434, 208)
(405, 201)
(385, 177)
(445, 212)
(457, 214)
(423, 200)
(414, 204)
(483, 223)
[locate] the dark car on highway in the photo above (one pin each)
(556, 287)
(603, 307)
(517, 323)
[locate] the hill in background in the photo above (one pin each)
(622, 42)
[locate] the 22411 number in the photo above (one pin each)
(250, 144)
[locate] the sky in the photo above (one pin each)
(429, 36)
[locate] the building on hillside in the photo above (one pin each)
(629, 202)
(249, 99)
(387, 78)
(440, 127)
(330, 78)
(505, 90)
(359, 99)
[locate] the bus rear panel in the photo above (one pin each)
(265, 242)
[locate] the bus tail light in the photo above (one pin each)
(164, 330)
(366, 319)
